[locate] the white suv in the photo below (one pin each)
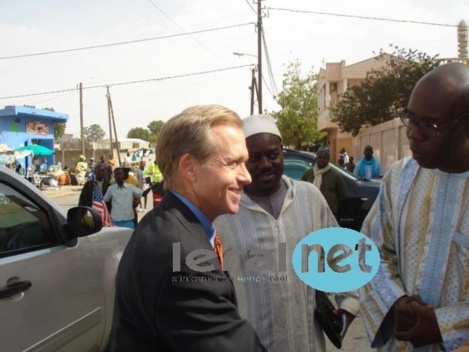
(57, 272)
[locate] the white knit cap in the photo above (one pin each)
(255, 124)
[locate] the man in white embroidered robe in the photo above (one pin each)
(275, 214)
(420, 222)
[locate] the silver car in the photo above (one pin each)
(57, 272)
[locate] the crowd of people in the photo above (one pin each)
(226, 196)
(116, 193)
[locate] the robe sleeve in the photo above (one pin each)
(379, 295)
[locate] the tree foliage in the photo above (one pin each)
(59, 130)
(93, 133)
(384, 91)
(297, 120)
(139, 132)
(155, 128)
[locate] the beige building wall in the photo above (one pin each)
(388, 139)
(333, 82)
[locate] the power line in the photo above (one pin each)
(252, 8)
(269, 67)
(130, 82)
(182, 29)
(362, 17)
(124, 43)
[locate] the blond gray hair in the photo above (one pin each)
(190, 132)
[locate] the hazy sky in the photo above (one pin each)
(38, 26)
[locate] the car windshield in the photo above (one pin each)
(296, 163)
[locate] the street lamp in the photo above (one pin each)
(254, 85)
(243, 54)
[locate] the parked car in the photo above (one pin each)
(360, 194)
(57, 271)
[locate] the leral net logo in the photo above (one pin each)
(336, 259)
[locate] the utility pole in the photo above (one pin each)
(253, 88)
(108, 97)
(259, 53)
(82, 134)
(114, 124)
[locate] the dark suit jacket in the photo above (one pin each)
(157, 309)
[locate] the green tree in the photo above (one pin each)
(155, 128)
(139, 132)
(93, 133)
(297, 120)
(384, 91)
(59, 130)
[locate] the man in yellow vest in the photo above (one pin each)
(153, 171)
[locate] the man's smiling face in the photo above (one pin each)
(265, 164)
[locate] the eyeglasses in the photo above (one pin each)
(428, 128)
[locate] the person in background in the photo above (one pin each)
(141, 182)
(30, 173)
(121, 196)
(201, 153)
(419, 297)
(153, 171)
(92, 165)
(112, 163)
(131, 179)
(343, 158)
(127, 160)
(146, 185)
(368, 167)
(330, 182)
(81, 169)
(92, 194)
(350, 166)
(276, 209)
(107, 169)
(19, 169)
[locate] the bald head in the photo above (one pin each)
(440, 100)
(451, 81)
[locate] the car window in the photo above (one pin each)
(294, 161)
(23, 225)
(295, 168)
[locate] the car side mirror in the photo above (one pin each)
(83, 221)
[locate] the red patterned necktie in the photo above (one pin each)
(218, 248)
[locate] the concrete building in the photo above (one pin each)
(22, 126)
(333, 82)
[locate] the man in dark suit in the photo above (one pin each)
(171, 291)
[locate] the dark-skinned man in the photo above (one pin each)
(121, 195)
(276, 212)
(330, 182)
(420, 224)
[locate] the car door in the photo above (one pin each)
(50, 294)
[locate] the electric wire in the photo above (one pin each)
(130, 82)
(252, 8)
(269, 66)
(124, 43)
(182, 29)
(362, 17)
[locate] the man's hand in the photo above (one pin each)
(404, 316)
(348, 320)
(415, 321)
